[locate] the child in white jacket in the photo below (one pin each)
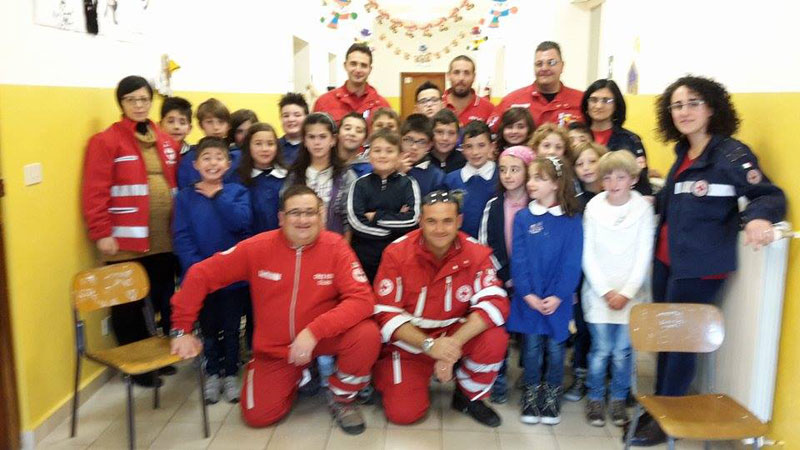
(619, 228)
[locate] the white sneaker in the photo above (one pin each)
(231, 389)
(212, 389)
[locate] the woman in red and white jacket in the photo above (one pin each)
(128, 186)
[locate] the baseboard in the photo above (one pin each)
(29, 439)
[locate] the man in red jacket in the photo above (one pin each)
(547, 98)
(462, 99)
(439, 301)
(310, 297)
(355, 95)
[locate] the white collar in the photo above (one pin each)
(424, 164)
(537, 209)
(277, 172)
(486, 171)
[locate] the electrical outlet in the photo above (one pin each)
(32, 173)
(105, 325)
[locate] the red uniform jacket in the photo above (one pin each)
(479, 109)
(320, 286)
(115, 198)
(564, 109)
(340, 101)
(412, 286)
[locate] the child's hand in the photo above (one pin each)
(618, 301)
(534, 302)
(550, 305)
(207, 190)
(370, 216)
(405, 209)
(405, 163)
(108, 246)
(609, 295)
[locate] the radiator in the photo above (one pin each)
(752, 304)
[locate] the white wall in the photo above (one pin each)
(749, 47)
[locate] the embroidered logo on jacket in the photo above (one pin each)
(463, 293)
(385, 287)
(490, 278)
(536, 228)
(323, 279)
(358, 273)
(267, 275)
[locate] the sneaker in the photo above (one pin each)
(530, 405)
(212, 389)
(551, 405)
(366, 396)
(231, 389)
(309, 384)
(578, 389)
(476, 409)
(347, 415)
(499, 397)
(595, 414)
(619, 415)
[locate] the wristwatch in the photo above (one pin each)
(176, 333)
(427, 345)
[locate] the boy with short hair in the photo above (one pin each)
(445, 139)
(428, 99)
(416, 142)
(478, 178)
(176, 120)
(212, 216)
(382, 205)
(215, 121)
(293, 110)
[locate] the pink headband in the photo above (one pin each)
(520, 151)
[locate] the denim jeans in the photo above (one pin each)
(610, 344)
(326, 365)
(220, 319)
(535, 347)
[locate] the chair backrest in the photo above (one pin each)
(676, 327)
(110, 285)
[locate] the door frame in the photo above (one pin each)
(9, 407)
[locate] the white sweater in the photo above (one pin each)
(617, 253)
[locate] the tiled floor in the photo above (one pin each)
(177, 424)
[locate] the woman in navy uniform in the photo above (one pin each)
(699, 213)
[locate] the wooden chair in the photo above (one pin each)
(693, 328)
(104, 287)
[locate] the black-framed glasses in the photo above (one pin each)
(429, 101)
(412, 142)
(549, 62)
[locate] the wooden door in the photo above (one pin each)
(409, 82)
(9, 412)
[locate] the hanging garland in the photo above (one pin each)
(424, 55)
(411, 28)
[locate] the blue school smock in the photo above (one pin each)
(479, 186)
(429, 177)
(289, 151)
(265, 191)
(188, 175)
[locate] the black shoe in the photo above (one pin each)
(313, 385)
(647, 434)
(630, 400)
(531, 414)
(167, 371)
(551, 407)
(148, 380)
(476, 409)
(366, 396)
(578, 388)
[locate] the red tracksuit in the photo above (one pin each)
(114, 198)
(340, 101)
(436, 296)
(320, 286)
(564, 109)
(479, 109)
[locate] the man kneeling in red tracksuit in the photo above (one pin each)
(439, 302)
(310, 297)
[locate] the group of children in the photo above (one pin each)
(557, 209)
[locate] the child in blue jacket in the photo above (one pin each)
(263, 172)
(545, 269)
(212, 216)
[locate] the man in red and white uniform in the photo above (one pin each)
(310, 298)
(547, 98)
(355, 95)
(462, 99)
(439, 302)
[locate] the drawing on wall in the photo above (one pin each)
(124, 20)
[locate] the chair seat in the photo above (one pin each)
(138, 357)
(703, 417)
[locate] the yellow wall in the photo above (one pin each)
(44, 232)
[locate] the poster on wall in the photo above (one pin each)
(123, 20)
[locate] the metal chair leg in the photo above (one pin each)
(632, 426)
(131, 426)
(156, 398)
(757, 443)
(706, 445)
(203, 407)
(670, 443)
(75, 397)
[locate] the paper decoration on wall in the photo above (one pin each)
(120, 20)
(476, 43)
(163, 84)
(409, 28)
(500, 9)
(424, 55)
(339, 12)
(366, 33)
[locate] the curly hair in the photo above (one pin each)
(724, 121)
(546, 129)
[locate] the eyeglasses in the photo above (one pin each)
(137, 100)
(428, 101)
(550, 63)
(602, 100)
(691, 105)
(304, 213)
(412, 142)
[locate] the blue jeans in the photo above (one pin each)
(326, 365)
(535, 346)
(610, 343)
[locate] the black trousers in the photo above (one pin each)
(128, 320)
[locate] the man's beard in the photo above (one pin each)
(466, 92)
